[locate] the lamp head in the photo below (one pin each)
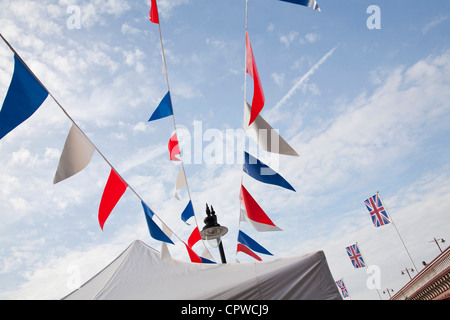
(212, 230)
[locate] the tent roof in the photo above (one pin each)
(140, 274)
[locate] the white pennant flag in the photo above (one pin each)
(76, 155)
(266, 137)
(165, 253)
(181, 183)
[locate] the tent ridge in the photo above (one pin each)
(127, 252)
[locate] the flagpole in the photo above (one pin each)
(398, 233)
(175, 125)
(365, 262)
(347, 289)
(84, 134)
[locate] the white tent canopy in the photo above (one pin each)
(140, 274)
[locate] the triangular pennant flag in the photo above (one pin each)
(194, 237)
(192, 255)
(206, 256)
(265, 136)
(155, 231)
(165, 253)
(181, 183)
(114, 190)
(76, 155)
(307, 3)
(25, 95)
(163, 69)
(164, 108)
(263, 173)
(245, 249)
(251, 69)
(174, 148)
(187, 213)
(204, 260)
(253, 212)
(252, 244)
(154, 16)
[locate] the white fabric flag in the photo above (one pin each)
(260, 227)
(181, 183)
(76, 155)
(206, 254)
(165, 253)
(266, 137)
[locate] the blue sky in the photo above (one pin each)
(371, 116)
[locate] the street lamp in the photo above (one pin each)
(214, 231)
(388, 291)
(436, 241)
(407, 271)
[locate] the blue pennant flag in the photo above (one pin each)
(252, 244)
(164, 109)
(261, 172)
(187, 213)
(25, 95)
(307, 3)
(155, 231)
(204, 260)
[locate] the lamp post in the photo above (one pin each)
(388, 291)
(214, 231)
(436, 240)
(407, 271)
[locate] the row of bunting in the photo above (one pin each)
(26, 94)
(258, 129)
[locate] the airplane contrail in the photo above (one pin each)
(302, 80)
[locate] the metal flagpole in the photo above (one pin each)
(365, 263)
(395, 227)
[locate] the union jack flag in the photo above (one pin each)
(355, 256)
(341, 285)
(377, 211)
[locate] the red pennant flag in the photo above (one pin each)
(192, 255)
(154, 16)
(195, 237)
(258, 94)
(258, 217)
(174, 148)
(114, 190)
(245, 249)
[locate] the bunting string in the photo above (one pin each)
(266, 138)
(174, 147)
(115, 181)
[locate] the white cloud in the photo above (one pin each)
(312, 37)
(278, 78)
(434, 23)
(289, 38)
(129, 30)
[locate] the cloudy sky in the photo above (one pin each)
(367, 110)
